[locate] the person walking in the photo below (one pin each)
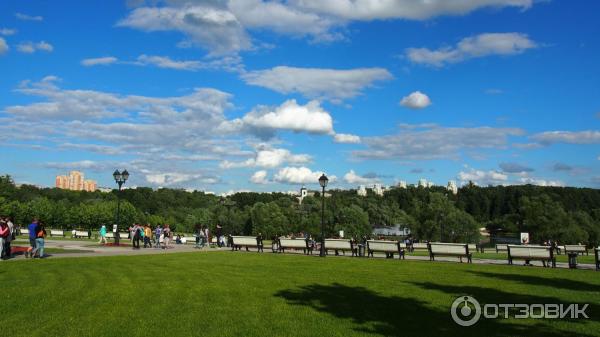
(167, 236)
(157, 236)
(9, 238)
(136, 231)
(147, 236)
(4, 232)
(103, 234)
(40, 234)
(32, 235)
(219, 233)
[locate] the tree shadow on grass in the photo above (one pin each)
(541, 281)
(404, 316)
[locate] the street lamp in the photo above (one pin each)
(120, 179)
(323, 182)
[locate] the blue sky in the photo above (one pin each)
(265, 95)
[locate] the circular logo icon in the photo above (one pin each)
(465, 311)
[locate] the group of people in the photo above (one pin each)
(7, 235)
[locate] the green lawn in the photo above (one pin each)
(249, 294)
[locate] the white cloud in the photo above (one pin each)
(416, 100)
(7, 31)
(264, 121)
(299, 175)
(282, 18)
(26, 17)
(3, 46)
(269, 158)
(331, 84)
(222, 27)
(29, 47)
(570, 137)
(541, 182)
(346, 138)
(259, 177)
(206, 25)
(483, 178)
(353, 178)
(425, 142)
(472, 47)
(99, 61)
(402, 9)
(166, 62)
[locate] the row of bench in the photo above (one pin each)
(545, 254)
(567, 249)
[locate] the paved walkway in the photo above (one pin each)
(95, 251)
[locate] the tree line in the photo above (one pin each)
(570, 215)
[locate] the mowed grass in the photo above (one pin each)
(249, 294)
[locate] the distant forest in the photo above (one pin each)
(567, 214)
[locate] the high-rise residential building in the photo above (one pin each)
(362, 191)
(452, 187)
(422, 182)
(378, 189)
(401, 184)
(75, 181)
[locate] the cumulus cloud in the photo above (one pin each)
(424, 142)
(366, 10)
(353, 178)
(416, 100)
(99, 61)
(346, 138)
(266, 121)
(269, 158)
(299, 175)
(472, 47)
(3, 46)
(541, 182)
(29, 47)
(569, 137)
(26, 17)
(483, 178)
(259, 177)
(7, 31)
(223, 27)
(331, 84)
(515, 168)
(206, 24)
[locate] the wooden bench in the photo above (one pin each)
(419, 246)
(80, 234)
(340, 244)
(383, 246)
(295, 244)
(237, 242)
(501, 247)
(110, 235)
(578, 249)
(24, 231)
(57, 232)
(459, 250)
(530, 252)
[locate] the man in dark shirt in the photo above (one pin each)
(32, 234)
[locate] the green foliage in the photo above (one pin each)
(570, 215)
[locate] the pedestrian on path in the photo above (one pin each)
(4, 233)
(167, 236)
(40, 234)
(158, 237)
(147, 236)
(103, 235)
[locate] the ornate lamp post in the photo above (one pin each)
(323, 182)
(120, 179)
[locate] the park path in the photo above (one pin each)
(96, 251)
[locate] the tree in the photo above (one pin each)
(353, 221)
